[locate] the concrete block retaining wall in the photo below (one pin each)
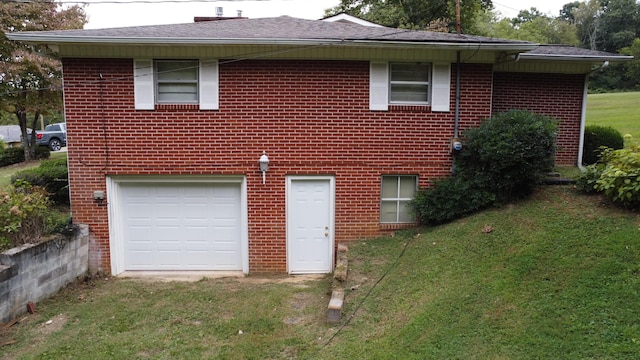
(33, 272)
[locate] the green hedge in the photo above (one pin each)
(448, 199)
(502, 160)
(51, 175)
(616, 175)
(509, 153)
(595, 138)
(10, 156)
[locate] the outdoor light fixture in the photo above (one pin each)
(98, 197)
(264, 165)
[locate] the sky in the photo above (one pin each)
(108, 14)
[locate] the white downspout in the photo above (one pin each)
(583, 120)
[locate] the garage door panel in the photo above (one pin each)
(181, 226)
(140, 258)
(168, 258)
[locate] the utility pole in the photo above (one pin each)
(458, 26)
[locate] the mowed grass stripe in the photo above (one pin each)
(618, 110)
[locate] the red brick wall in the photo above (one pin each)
(556, 95)
(312, 117)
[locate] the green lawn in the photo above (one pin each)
(618, 110)
(556, 276)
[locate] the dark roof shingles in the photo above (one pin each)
(283, 27)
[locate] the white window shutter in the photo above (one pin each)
(379, 86)
(143, 84)
(208, 84)
(441, 87)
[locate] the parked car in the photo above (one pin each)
(54, 136)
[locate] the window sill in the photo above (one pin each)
(410, 108)
(396, 226)
(177, 107)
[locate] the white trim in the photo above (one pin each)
(332, 218)
(583, 122)
(143, 87)
(116, 241)
(346, 18)
(583, 58)
(379, 86)
(208, 85)
(116, 247)
(397, 199)
(34, 37)
(441, 87)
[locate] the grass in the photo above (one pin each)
(618, 110)
(7, 172)
(555, 276)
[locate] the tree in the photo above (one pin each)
(620, 24)
(414, 14)
(587, 21)
(30, 77)
(530, 25)
(566, 13)
(525, 16)
(633, 67)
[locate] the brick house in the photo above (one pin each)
(167, 124)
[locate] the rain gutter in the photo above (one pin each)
(90, 40)
(589, 58)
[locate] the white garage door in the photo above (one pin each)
(187, 226)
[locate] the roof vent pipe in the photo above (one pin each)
(219, 11)
(239, 13)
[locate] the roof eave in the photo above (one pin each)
(76, 40)
(585, 58)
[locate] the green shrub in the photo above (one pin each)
(51, 175)
(23, 214)
(595, 138)
(509, 154)
(448, 199)
(42, 152)
(586, 182)
(620, 176)
(501, 160)
(10, 156)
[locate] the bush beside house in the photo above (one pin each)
(595, 138)
(502, 160)
(616, 175)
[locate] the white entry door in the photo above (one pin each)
(310, 213)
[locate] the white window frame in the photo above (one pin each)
(420, 83)
(439, 87)
(160, 82)
(144, 81)
(397, 199)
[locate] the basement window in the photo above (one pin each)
(396, 193)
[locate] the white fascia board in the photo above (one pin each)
(585, 58)
(60, 40)
(444, 45)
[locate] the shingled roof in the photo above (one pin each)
(293, 31)
(563, 52)
(261, 30)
